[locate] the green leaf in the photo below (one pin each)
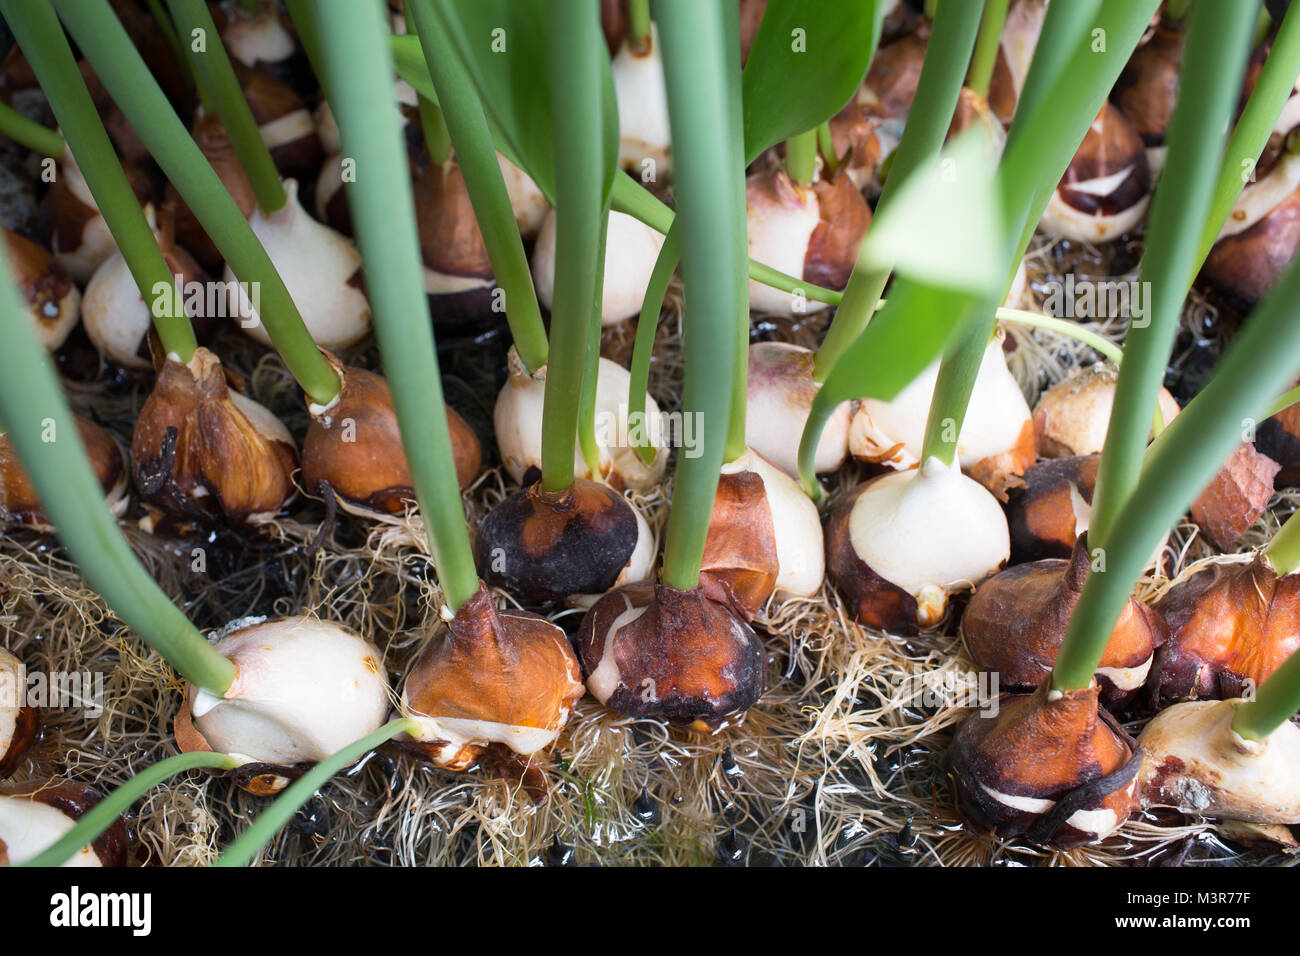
(808, 59)
(501, 45)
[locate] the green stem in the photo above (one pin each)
(1063, 327)
(986, 47)
(1262, 359)
(250, 843)
(953, 388)
(1254, 127)
(936, 98)
(168, 30)
(1283, 402)
(1283, 552)
(468, 128)
(647, 324)
(1276, 700)
(703, 85)
(358, 62)
(119, 67)
(801, 157)
(587, 442)
(631, 198)
(43, 431)
(216, 77)
(1263, 25)
(304, 21)
(29, 133)
(103, 814)
(826, 146)
(638, 21)
(1217, 47)
(37, 31)
(577, 108)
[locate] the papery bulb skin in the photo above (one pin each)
(320, 268)
(517, 418)
(49, 296)
(1020, 31)
(117, 318)
(781, 393)
(1236, 498)
(569, 545)
(20, 722)
(1231, 623)
(263, 40)
(19, 501)
(1106, 188)
(1054, 767)
(900, 544)
(210, 136)
(79, 238)
(1071, 417)
(1279, 438)
(810, 232)
(651, 651)
(203, 453)
(284, 122)
(631, 249)
(487, 678)
(36, 815)
(355, 446)
(457, 271)
(1147, 89)
(765, 537)
(997, 441)
(1016, 621)
(1262, 233)
(1053, 506)
(645, 140)
(1194, 761)
(304, 689)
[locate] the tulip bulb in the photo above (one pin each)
(901, 543)
(1148, 88)
(80, 239)
(35, 816)
(202, 451)
(651, 651)
(518, 422)
(1261, 236)
(19, 502)
(564, 545)
(211, 138)
(1072, 416)
(1107, 186)
(491, 677)
(526, 199)
(1279, 438)
(19, 721)
(1231, 623)
(1015, 623)
(1196, 762)
(320, 268)
(645, 140)
(996, 443)
(284, 122)
(631, 249)
(764, 537)
(1235, 499)
(810, 232)
(457, 271)
(117, 318)
(52, 301)
(781, 392)
(355, 446)
(262, 41)
(304, 689)
(1053, 506)
(1053, 766)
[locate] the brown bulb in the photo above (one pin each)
(651, 651)
(203, 452)
(563, 545)
(1236, 498)
(1231, 623)
(1056, 768)
(457, 272)
(38, 813)
(740, 562)
(52, 301)
(1279, 438)
(488, 678)
(1147, 89)
(210, 136)
(355, 446)
(1053, 506)
(285, 123)
(19, 501)
(1015, 623)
